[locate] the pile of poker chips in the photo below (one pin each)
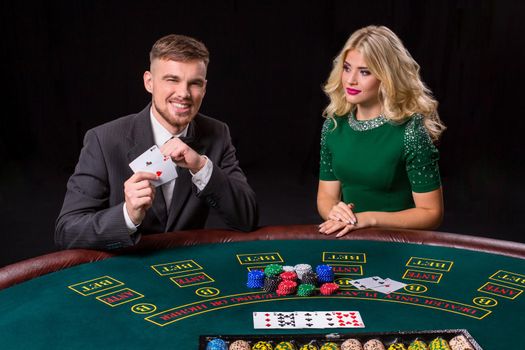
(299, 279)
(458, 342)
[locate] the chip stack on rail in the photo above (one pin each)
(262, 345)
(351, 344)
(418, 345)
(397, 346)
(459, 342)
(240, 345)
(439, 344)
(255, 279)
(217, 344)
(325, 274)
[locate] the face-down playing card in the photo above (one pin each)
(153, 161)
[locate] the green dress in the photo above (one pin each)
(379, 163)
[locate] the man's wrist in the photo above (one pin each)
(132, 227)
(202, 163)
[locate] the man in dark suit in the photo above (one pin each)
(107, 206)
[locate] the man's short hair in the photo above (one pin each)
(179, 48)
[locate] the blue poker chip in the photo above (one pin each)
(324, 273)
(216, 344)
(255, 279)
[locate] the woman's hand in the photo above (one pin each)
(328, 227)
(343, 212)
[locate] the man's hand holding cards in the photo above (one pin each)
(151, 169)
(153, 161)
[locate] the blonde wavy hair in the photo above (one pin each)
(401, 93)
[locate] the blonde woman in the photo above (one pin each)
(379, 165)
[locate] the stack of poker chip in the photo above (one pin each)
(262, 345)
(305, 290)
(273, 270)
(216, 344)
(288, 276)
(301, 269)
(240, 345)
(325, 274)
(373, 344)
(286, 288)
(397, 346)
(255, 279)
(309, 278)
(329, 288)
(418, 345)
(285, 345)
(439, 344)
(460, 342)
(271, 283)
(330, 346)
(351, 344)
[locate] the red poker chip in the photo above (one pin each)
(329, 288)
(286, 287)
(288, 276)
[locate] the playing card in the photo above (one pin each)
(348, 319)
(306, 319)
(153, 161)
(367, 283)
(328, 319)
(274, 320)
(389, 286)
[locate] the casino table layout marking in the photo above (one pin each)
(200, 281)
(430, 270)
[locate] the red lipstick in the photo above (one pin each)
(351, 91)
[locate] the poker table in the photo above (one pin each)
(173, 290)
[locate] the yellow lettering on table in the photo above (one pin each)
(257, 258)
(430, 264)
(515, 279)
(344, 257)
(415, 288)
(176, 267)
(485, 301)
(95, 285)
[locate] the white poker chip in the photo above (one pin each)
(301, 269)
(287, 268)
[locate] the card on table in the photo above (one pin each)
(307, 319)
(153, 161)
(378, 284)
(367, 283)
(389, 286)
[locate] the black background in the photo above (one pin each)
(69, 66)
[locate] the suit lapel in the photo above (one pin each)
(140, 139)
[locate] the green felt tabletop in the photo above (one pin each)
(173, 296)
